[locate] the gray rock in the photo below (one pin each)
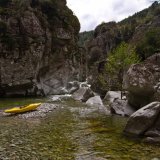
(73, 86)
(83, 94)
(95, 101)
(143, 119)
(154, 131)
(112, 95)
(121, 107)
(39, 57)
(142, 81)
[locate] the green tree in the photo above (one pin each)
(117, 64)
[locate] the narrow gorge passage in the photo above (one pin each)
(73, 131)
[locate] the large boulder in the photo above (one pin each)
(83, 94)
(38, 48)
(142, 82)
(143, 119)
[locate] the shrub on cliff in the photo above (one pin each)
(150, 43)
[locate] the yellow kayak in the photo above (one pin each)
(22, 109)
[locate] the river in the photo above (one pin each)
(73, 131)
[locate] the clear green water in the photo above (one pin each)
(72, 132)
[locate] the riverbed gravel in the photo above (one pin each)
(40, 112)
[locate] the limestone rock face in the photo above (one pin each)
(143, 119)
(38, 50)
(142, 82)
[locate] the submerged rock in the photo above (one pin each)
(143, 119)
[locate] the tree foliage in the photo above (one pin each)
(118, 62)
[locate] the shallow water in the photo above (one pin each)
(71, 132)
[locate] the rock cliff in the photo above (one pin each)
(142, 30)
(38, 47)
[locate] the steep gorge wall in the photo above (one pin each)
(38, 47)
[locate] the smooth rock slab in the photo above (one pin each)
(143, 119)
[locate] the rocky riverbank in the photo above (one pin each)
(40, 112)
